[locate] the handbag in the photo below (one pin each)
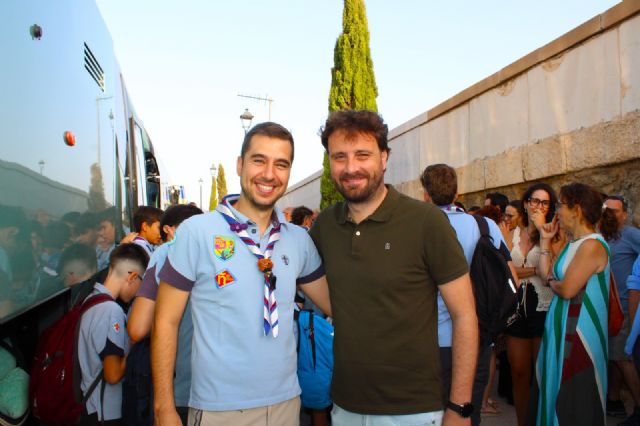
(616, 316)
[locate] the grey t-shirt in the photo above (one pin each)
(102, 332)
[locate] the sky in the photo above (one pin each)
(185, 63)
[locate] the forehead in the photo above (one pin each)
(270, 147)
(614, 204)
(511, 209)
(540, 194)
(344, 140)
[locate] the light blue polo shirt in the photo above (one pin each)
(468, 235)
(149, 290)
(234, 365)
(102, 332)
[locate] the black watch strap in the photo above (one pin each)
(464, 410)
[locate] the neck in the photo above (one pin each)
(261, 217)
(581, 230)
(362, 210)
(111, 285)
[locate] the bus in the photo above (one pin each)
(75, 158)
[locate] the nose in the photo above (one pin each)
(269, 171)
(351, 165)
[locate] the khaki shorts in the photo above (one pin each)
(285, 413)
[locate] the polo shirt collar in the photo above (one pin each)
(381, 214)
(451, 208)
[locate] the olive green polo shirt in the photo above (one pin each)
(383, 276)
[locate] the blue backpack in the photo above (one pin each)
(315, 359)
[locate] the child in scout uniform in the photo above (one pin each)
(146, 222)
(103, 341)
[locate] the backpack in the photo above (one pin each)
(54, 385)
(137, 398)
(494, 287)
(315, 359)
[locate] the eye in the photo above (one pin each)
(338, 156)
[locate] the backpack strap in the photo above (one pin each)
(312, 337)
(482, 225)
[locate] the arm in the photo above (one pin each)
(318, 291)
(590, 258)
(633, 284)
(514, 272)
(141, 318)
(170, 306)
(113, 366)
(526, 271)
(547, 232)
(458, 296)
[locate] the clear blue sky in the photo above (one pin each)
(185, 62)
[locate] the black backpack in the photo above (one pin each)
(493, 286)
(137, 396)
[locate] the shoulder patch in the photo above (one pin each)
(116, 327)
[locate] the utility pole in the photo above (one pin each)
(258, 98)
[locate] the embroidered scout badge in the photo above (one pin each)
(116, 327)
(224, 278)
(223, 247)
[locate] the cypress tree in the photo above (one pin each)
(353, 83)
(222, 183)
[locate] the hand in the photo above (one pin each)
(129, 238)
(167, 417)
(549, 230)
(538, 218)
(504, 229)
(451, 418)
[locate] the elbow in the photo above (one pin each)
(137, 332)
(113, 377)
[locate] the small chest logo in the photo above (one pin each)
(387, 246)
(223, 247)
(285, 259)
(224, 278)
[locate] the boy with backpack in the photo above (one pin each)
(102, 338)
(139, 328)
(440, 185)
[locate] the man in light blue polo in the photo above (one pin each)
(440, 184)
(239, 265)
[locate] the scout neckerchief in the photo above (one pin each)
(452, 208)
(265, 265)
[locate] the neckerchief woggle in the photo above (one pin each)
(270, 309)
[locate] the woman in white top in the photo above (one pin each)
(524, 335)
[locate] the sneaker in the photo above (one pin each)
(616, 409)
(633, 419)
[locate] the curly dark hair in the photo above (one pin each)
(353, 122)
(551, 211)
(591, 204)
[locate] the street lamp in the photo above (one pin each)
(41, 164)
(245, 119)
(214, 187)
(200, 182)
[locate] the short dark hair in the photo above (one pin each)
(79, 252)
(299, 214)
(175, 215)
(625, 203)
(145, 214)
(131, 252)
(498, 199)
(441, 183)
(110, 214)
(356, 121)
(270, 129)
(85, 222)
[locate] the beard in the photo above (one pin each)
(359, 195)
(255, 203)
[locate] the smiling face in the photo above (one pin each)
(264, 171)
(357, 165)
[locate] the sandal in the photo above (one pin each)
(493, 404)
(489, 411)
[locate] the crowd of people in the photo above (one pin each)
(215, 295)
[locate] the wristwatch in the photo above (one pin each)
(463, 410)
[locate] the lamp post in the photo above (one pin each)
(245, 119)
(214, 188)
(200, 182)
(41, 164)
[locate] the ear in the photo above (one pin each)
(166, 229)
(144, 227)
(455, 197)
(385, 157)
(426, 197)
(239, 165)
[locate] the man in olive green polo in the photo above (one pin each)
(386, 256)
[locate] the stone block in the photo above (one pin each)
(629, 38)
(498, 119)
(471, 177)
(504, 169)
(544, 158)
(446, 139)
(404, 161)
(578, 89)
(412, 189)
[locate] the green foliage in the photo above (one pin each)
(353, 83)
(222, 183)
(213, 199)
(96, 202)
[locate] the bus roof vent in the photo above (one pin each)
(93, 67)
